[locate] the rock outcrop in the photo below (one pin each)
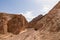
(12, 23)
(48, 26)
(3, 22)
(17, 24)
(51, 21)
(34, 21)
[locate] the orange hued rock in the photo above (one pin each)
(48, 26)
(3, 22)
(12, 23)
(17, 24)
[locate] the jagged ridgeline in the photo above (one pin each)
(12, 23)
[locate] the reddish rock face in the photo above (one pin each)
(51, 21)
(12, 23)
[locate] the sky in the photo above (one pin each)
(29, 8)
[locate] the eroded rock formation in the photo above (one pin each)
(17, 24)
(48, 26)
(34, 21)
(51, 21)
(12, 23)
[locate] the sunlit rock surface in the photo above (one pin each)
(49, 28)
(12, 23)
(51, 21)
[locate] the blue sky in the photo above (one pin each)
(29, 8)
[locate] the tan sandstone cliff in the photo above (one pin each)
(12, 23)
(49, 27)
(51, 21)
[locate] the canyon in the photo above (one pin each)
(43, 27)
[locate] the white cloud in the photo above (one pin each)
(28, 14)
(46, 6)
(38, 1)
(46, 9)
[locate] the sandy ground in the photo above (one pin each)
(31, 34)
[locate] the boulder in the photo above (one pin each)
(17, 24)
(12, 23)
